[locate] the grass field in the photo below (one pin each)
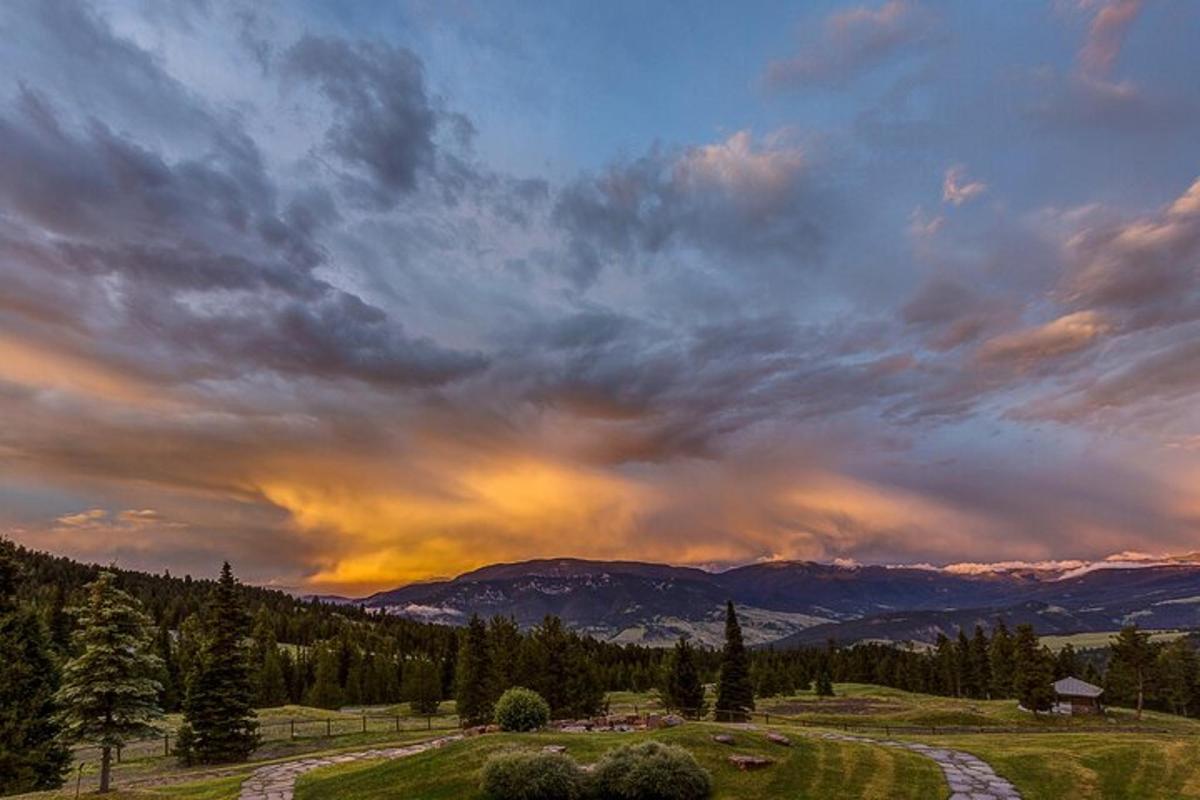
(1089, 766)
(859, 704)
(1054, 760)
(810, 769)
(1099, 639)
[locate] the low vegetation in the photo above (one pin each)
(521, 710)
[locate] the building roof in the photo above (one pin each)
(1073, 687)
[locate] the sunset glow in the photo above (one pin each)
(361, 299)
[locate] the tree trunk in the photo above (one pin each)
(105, 768)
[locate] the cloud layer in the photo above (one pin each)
(288, 291)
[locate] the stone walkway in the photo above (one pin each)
(278, 781)
(969, 777)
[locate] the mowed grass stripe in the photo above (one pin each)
(811, 768)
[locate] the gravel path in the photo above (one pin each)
(278, 781)
(969, 777)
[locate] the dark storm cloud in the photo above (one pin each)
(210, 225)
(744, 202)
(384, 122)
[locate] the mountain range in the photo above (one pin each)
(804, 602)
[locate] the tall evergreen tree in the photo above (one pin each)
(32, 754)
(981, 668)
(476, 687)
(325, 691)
(219, 706)
(1130, 667)
(1066, 663)
(110, 689)
(423, 686)
(1177, 676)
(1033, 671)
(682, 688)
(171, 696)
(824, 684)
(1001, 660)
(735, 695)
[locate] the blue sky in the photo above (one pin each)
(356, 294)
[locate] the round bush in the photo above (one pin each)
(532, 776)
(650, 771)
(521, 709)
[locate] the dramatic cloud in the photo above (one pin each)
(365, 302)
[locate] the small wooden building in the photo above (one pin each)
(1073, 696)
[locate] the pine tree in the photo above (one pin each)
(1177, 675)
(171, 696)
(1000, 660)
(1066, 663)
(110, 690)
(981, 670)
(1131, 665)
(824, 682)
(423, 686)
(735, 695)
(325, 691)
(683, 689)
(1033, 671)
(32, 754)
(219, 705)
(475, 682)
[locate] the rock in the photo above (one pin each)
(746, 763)
(554, 748)
(654, 721)
(779, 738)
(722, 738)
(672, 720)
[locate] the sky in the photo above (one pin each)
(360, 294)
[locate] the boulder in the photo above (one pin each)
(554, 748)
(779, 738)
(746, 763)
(672, 720)
(722, 738)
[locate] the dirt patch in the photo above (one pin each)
(838, 705)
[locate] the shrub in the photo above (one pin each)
(520, 709)
(532, 776)
(650, 771)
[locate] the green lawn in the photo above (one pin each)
(1098, 639)
(812, 768)
(1090, 766)
(858, 704)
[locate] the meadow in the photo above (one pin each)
(1044, 757)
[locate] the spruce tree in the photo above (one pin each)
(683, 690)
(32, 754)
(325, 691)
(1130, 667)
(423, 686)
(219, 705)
(735, 695)
(475, 681)
(1033, 671)
(1177, 675)
(981, 669)
(110, 689)
(1001, 660)
(824, 683)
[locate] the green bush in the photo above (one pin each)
(521, 709)
(650, 771)
(532, 776)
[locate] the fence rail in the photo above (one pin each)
(293, 729)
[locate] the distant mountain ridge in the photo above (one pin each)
(804, 602)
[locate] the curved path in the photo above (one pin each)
(969, 777)
(278, 781)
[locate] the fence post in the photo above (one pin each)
(293, 724)
(397, 723)
(766, 718)
(328, 727)
(364, 723)
(429, 722)
(167, 743)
